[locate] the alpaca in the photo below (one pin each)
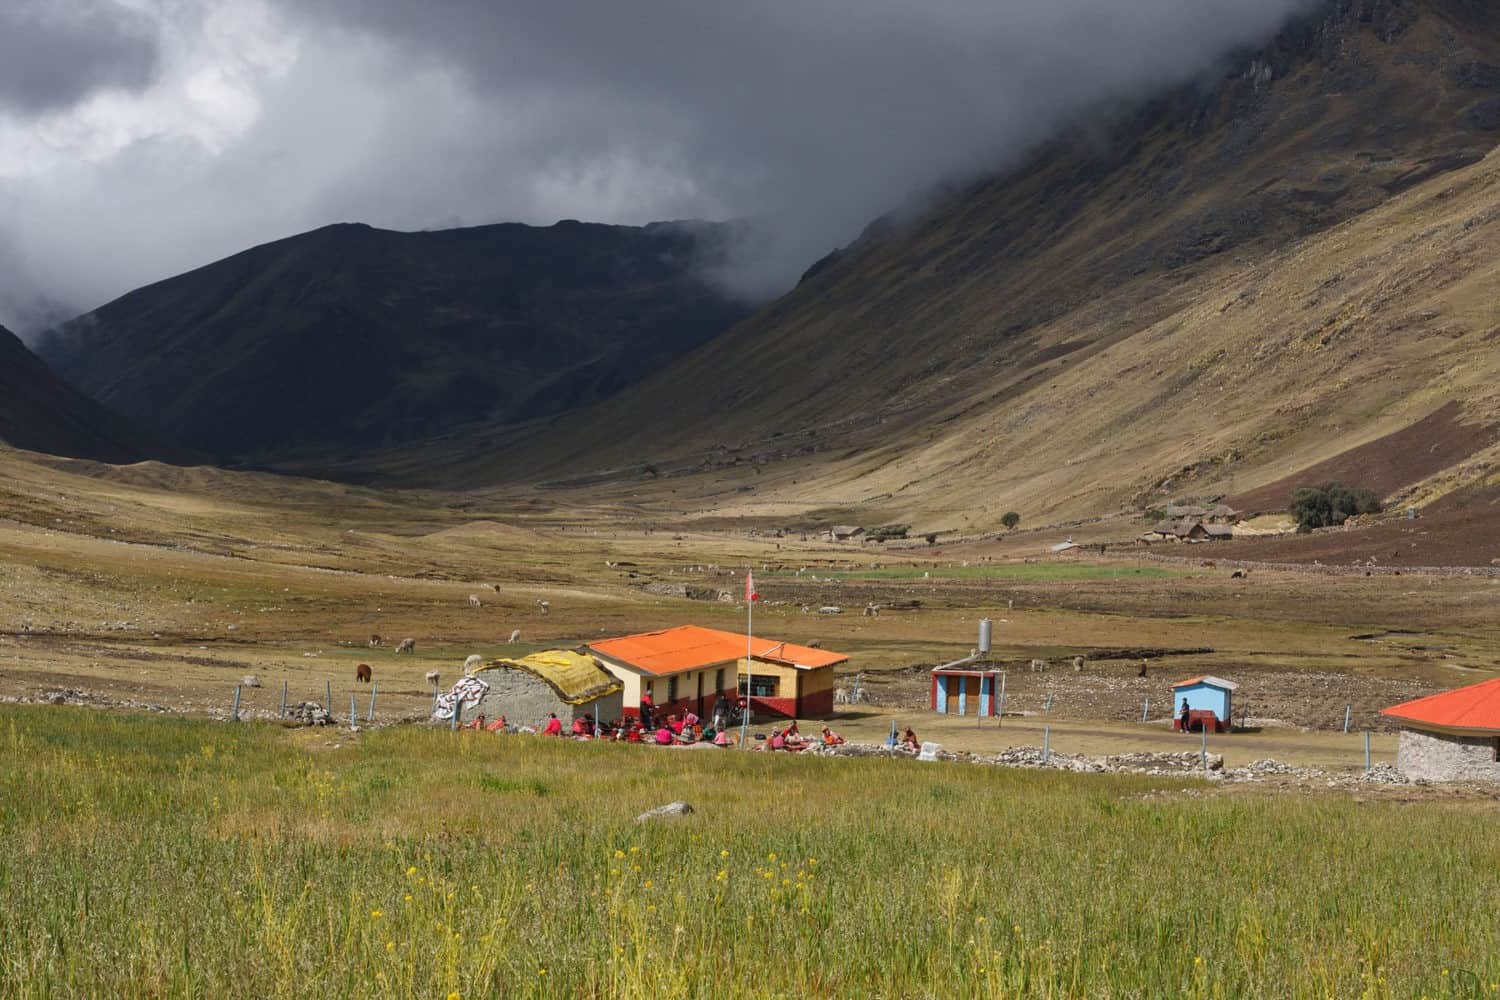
(472, 663)
(406, 646)
(515, 636)
(375, 640)
(432, 678)
(362, 673)
(546, 606)
(474, 601)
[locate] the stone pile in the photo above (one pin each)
(1142, 762)
(309, 713)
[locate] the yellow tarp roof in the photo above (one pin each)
(575, 677)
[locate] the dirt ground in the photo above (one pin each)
(152, 588)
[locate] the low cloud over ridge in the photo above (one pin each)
(267, 117)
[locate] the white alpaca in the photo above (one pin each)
(472, 663)
(407, 646)
(432, 678)
(546, 606)
(515, 636)
(474, 601)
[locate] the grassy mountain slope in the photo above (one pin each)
(349, 336)
(1218, 289)
(39, 412)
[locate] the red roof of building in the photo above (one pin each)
(1474, 707)
(689, 647)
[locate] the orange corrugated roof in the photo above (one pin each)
(689, 647)
(1474, 707)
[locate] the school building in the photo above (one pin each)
(685, 669)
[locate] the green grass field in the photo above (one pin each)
(163, 857)
(1023, 572)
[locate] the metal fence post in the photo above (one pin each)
(1046, 744)
(1146, 708)
(283, 699)
(1367, 749)
(328, 696)
(371, 716)
(1203, 746)
(234, 713)
(1346, 717)
(1000, 719)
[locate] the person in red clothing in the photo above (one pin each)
(554, 725)
(635, 733)
(778, 742)
(578, 728)
(648, 709)
(674, 724)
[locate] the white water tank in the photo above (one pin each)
(984, 635)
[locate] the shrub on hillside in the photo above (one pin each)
(1010, 520)
(1331, 504)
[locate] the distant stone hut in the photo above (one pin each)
(1453, 736)
(845, 532)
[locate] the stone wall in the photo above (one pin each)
(1430, 756)
(525, 701)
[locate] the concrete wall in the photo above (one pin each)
(1434, 756)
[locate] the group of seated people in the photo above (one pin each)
(791, 738)
(674, 730)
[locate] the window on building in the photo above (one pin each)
(762, 686)
(671, 689)
(1497, 749)
(718, 680)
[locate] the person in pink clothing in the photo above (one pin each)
(664, 737)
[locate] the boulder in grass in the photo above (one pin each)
(250, 681)
(668, 811)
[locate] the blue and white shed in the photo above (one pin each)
(1209, 701)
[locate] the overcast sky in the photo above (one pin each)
(141, 138)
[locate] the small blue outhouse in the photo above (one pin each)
(1203, 703)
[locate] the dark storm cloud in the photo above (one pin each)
(811, 115)
(807, 117)
(54, 53)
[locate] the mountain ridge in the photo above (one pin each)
(348, 336)
(915, 363)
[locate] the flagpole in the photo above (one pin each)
(749, 649)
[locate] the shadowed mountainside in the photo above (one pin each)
(348, 336)
(39, 412)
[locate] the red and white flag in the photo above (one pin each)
(750, 594)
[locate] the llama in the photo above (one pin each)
(407, 646)
(474, 601)
(472, 663)
(432, 678)
(362, 673)
(375, 640)
(515, 636)
(1077, 664)
(546, 606)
